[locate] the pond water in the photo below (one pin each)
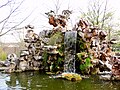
(38, 81)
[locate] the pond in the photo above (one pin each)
(35, 80)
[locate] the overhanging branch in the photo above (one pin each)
(13, 28)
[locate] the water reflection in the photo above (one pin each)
(39, 81)
(3, 78)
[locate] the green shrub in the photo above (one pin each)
(85, 62)
(45, 58)
(56, 39)
(86, 65)
(3, 56)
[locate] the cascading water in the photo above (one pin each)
(70, 51)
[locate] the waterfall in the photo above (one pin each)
(70, 51)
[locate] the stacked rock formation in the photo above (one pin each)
(46, 50)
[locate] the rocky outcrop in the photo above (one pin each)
(46, 51)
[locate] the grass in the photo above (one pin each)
(3, 56)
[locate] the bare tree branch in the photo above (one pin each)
(57, 6)
(13, 28)
(4, 22)
(98, 13)
(12, 11)
(103, 19)
(5, 4)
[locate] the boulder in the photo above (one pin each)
(69, 76)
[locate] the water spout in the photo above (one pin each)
(70, 51)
